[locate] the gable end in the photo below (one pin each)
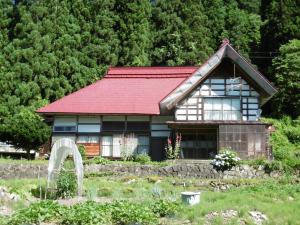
(205, 70)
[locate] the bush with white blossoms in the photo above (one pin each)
(225, 160)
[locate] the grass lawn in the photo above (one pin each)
(7, 160)
(278, 199)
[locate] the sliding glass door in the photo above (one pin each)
(115, 145)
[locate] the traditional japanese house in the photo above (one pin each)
(213, 106)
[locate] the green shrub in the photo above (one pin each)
(82, 151)
(37, 212)
(154, 179)
(142, 158)
(128, 191)
(41, 192)
(105, 192)
(285, 141)
(98, 160)
(129, 178)
(274, 165)
(88, 213)
(66, 184)
(164, 208)
(3, 220)
(92, 192)
(124, 213)
(157, 192)
(293, 134)
(254, 162)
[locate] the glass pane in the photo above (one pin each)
(217, 115)
(143, 140)
(88, 128)
(107, 140)
(208, 104)
(227, 115)
(143, 149)
(117, 145)
(208, 115)
(236, 115)
(236, 104)
(82, 139)
(93, 139)
(227, 104)
(217, 104)
(106, 150)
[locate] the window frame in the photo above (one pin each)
(222, 110)
(89, 136)
(65, 128)
(111, 146)
(141, 146)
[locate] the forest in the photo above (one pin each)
(50, 48)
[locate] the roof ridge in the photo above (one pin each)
(156, 76)
(155, 67)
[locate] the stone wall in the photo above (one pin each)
(16, 171)
(186, 170)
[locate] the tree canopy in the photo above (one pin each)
(51, 48)
(287, 78)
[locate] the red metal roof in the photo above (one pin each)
(124, 90)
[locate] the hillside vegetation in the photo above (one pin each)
(286, 141)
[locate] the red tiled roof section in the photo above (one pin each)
(126, 90)
(150, 72)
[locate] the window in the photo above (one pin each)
(138, 126)
(113, 126)
(64, 128)
(143, 145)
(107, 145)
(112, 145)
(89, 128)
(88, 139)
(222, 109)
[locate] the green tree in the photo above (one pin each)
(281, 23)
(181, 36)
(251, 6)
(242, 28)
(233, 20)
(287, 79)
(134, 32)
(51, 48)
(6, 13)
(24, 130)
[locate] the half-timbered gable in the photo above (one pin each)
(224, 95)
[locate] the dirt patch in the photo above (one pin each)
(5, 211)
(76, 200)
(226, 215)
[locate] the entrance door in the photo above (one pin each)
(199, 144)
(157, 151)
